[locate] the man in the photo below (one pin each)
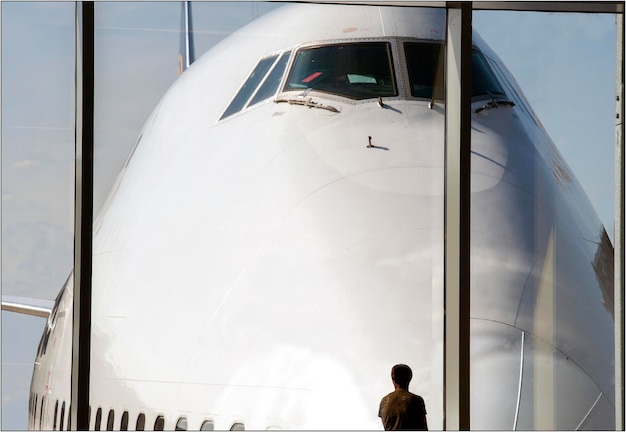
(401, 409)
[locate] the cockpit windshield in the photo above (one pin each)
(484, 81)
(425, 64)
(359, 70)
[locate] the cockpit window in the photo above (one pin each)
(425, 63)
(426, 72)
(270, 85)
(249, 86)
(359, 70)
(484, 81)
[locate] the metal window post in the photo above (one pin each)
(83, 215)
(619, 227)
(457, 216)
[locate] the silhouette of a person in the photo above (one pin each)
(401, 409)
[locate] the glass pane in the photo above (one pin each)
(110, 420)
(426, 69)
(270, 86)
(62, 421)
(207, 426)
(249, 87)
(358, 70)
(124, 422)
(541, 259)
(181, 424)
(37, 195)
(159, 423)
(282, 214)
(483, 78)
(98, 421)
(141, 422)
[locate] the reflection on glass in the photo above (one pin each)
(541, 259)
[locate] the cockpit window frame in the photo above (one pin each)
(408, 91)
(236, 105)
(250, 86)
(392, 60)
(399, 73)
(476, 52)
(501, 92)
(275, 84)
(399, 63)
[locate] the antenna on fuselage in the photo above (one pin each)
(186, 55)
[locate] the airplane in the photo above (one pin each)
(274, 244)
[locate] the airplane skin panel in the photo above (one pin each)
(273, 265)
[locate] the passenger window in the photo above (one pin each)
(159, 423)
(237, 427)
(124, 423)
(249, 86)
(43, 398)
(355, 70)
(270, 85)
(98, 421)
(425, 63)
(110, 420)
(35, 409)
(141, 422)
(181, 424)
(62, 420)
(56, 413)
(207, 425)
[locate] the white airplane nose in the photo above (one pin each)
(275, 242)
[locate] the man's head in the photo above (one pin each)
(401, 376)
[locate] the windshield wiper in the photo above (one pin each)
(307, 103)
(494, 103)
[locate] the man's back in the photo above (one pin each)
(403, 410)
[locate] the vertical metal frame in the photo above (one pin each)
(618, 267)
(457, 216)
(83, 216)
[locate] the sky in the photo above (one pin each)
(565, 64)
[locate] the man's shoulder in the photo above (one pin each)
(401, 394)
(391, 396)
(415, 396)
(418, 402)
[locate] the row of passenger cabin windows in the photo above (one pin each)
(61, 419)
(358, 70)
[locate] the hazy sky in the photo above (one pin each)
(565, 64)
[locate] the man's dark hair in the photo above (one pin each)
(401, 374)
